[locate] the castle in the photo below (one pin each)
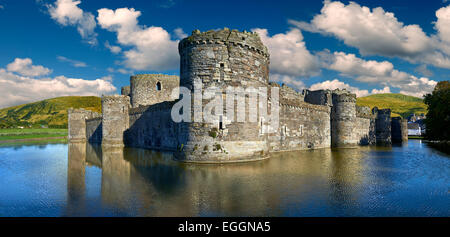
(141, 116)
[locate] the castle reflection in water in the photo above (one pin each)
(140, 182)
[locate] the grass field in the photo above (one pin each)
(400, 105)
(50, 112)
(37, 133)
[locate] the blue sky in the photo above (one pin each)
(86, 47)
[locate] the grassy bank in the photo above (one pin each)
(32, 133)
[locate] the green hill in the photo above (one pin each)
(400, 105)
(50, 112)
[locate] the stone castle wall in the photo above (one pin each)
(94, 130)
(148, 89)
(115, 120)
(302, 126)
(383, 126)
(365, 126)
(319, 97)
(77, 119)
(152, 127)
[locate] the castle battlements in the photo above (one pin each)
(142, 115)
(247, 40)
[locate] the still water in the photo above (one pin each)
(82, 180)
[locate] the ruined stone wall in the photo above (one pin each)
(399, 130)
(382, 126)
(148, 89)
(77, 124)
(302, 126)
(220, 59)
(365, 126)
(343, 119)
(94, 130)
(152, 127)
(115, 119)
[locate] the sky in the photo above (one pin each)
(57, 48)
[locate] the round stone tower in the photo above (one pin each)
(222, 59)
(343, 119)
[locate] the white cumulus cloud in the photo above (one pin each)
(19, 89)
(336, 84)
(25, 67)
(152, 47)
(385, 90)
(377, 72)
(288, 54)
(288, 80)
(113, 48)
(67, 12)
(377, 32)
(180, 33)
(371, 31)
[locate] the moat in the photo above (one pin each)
(82, 180)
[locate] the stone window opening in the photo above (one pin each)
(158, 86)
(222, 75)
(301, 130)
(261, 125)
(221, 127)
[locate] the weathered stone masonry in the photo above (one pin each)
(141, 116)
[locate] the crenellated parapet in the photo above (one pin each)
(303, 106)
(223, 58)
(343, 96)
(248, 40)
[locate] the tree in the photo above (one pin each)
(438, 115)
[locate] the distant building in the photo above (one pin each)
(414, 129)
(415, 118)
